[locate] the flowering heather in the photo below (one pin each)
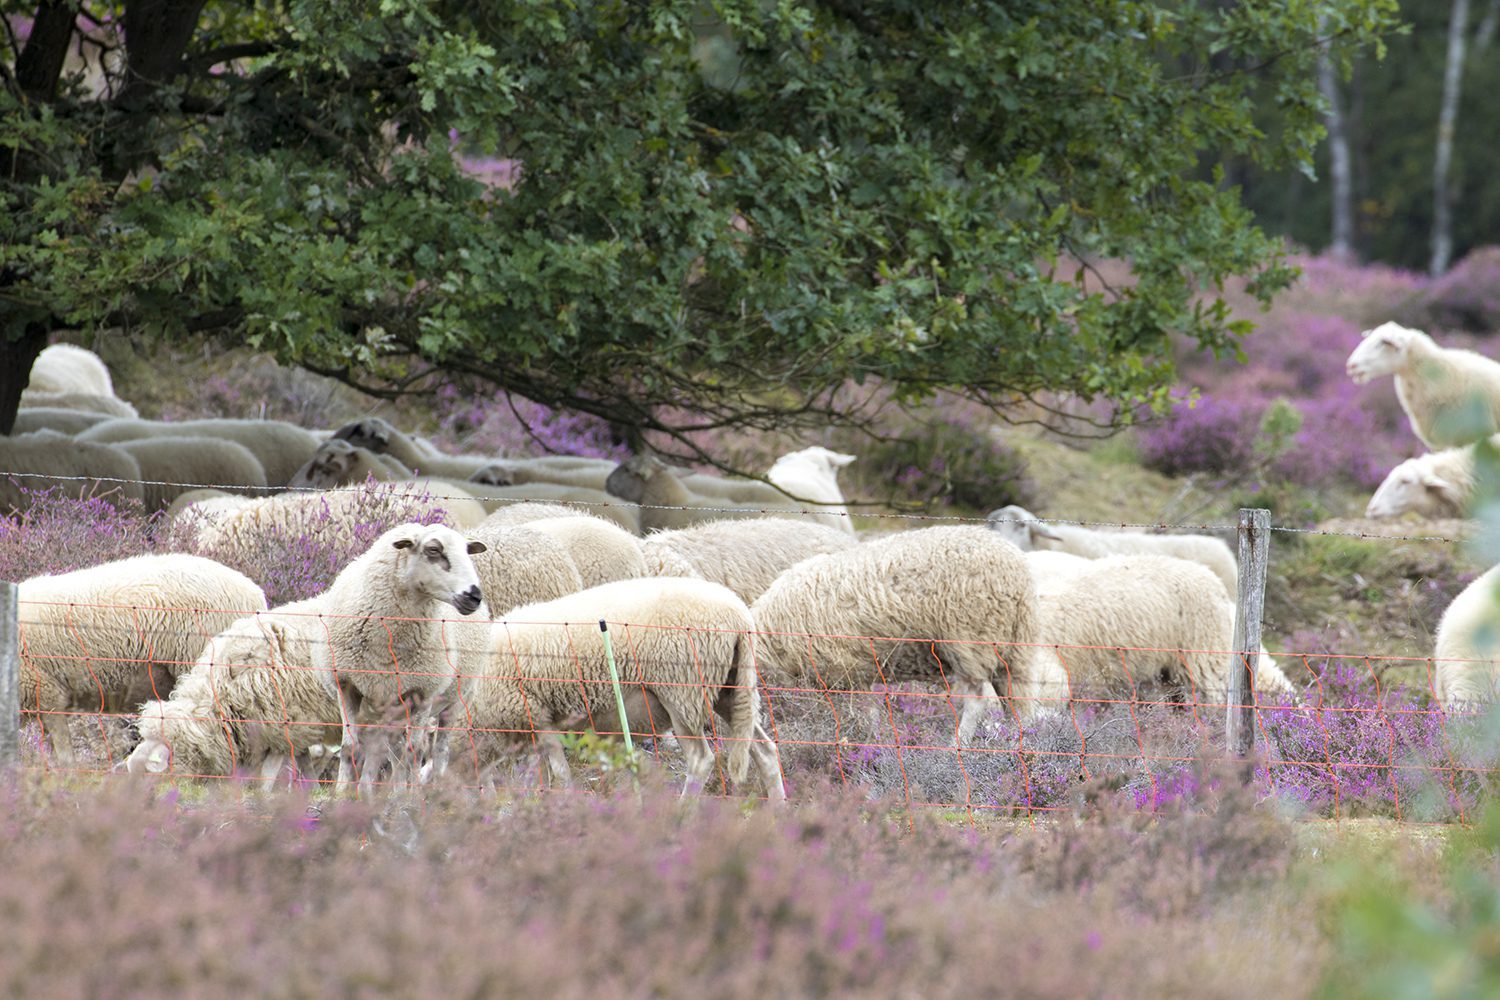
(1466, 298)
(58, 533)
(492, 423)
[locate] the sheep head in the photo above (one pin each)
(1383, 351)
(628, 481)
(1413, 486)
(495, 474)
(149, 757)
(331, 465)
(1020, 527)
(433, 560)
(373, 433)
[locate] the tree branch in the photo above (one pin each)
(40, 64)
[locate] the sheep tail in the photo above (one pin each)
(745, 710)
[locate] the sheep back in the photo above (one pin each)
(73, 466)
(744, 555)
(1465, 668)
(171, 466)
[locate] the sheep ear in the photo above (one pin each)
(477, 547)
(840, 459)
(1434, 483)
(1040, 530)
(403, 543)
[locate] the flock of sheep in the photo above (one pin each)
(444, 645)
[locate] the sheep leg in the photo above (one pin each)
(557, 760)
(270, 769)
(768, 764)
(60, 735)
(347, 739)
(978, 698)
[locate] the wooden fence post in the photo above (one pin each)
(1254, 549)
(10, 677)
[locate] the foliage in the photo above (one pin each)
(699, 202)
(57, 533)
(944, 459)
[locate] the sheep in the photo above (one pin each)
(511, 515)
(62, 368)
(55, 418)
(1138, 618)
(172, 466)
(602, 551)
(514, 472)
(1023, 529)
(386, 640)
(1466, 670)
(251, 702)
(281, 447)
(745, 556)
(380, 436)
(602, 505)
(952, 604)
(80, 402)
(522, 566)
(812, 474)
(103, 638)
(337, 463)
(666, 502)
(43, 460)
(684, 649)
(1451, 396)
(190, 512)
(1437, 484)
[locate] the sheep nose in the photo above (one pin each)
(468, 602)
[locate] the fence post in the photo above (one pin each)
(1255, 543)
(10, 676)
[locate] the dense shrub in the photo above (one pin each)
(58, 533)
(947, 459)
(1466, 298)
(479, 420)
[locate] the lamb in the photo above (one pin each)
(961, 599)
(387, 645)
(812, 474)
(1466, 671)
(745, 556)
(1451, 396)
(55, 418)
(64, 368)
(81, 402)
(1138, 619)
(684, 649)
(666, 502)
(523, 567)
(171, 466)
(74, 467)
(1022, 528)
(102, 639)
(380, 436)
(601, 551)
(1437, 484)
(252, 702)
(282, 448)
(338, 463)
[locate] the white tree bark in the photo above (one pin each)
(1340, 170)
(1442, 195)
(1486, 31)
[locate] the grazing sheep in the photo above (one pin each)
(380, 436)
(1022, 528)
(684, 649)
(812, 474)
(338, 463)
(524, 512)
(55, 418)
(514, 472)
(105, 638)
(522, 566)
(745, 556)
(602, 551)
(1437, 484)
(667, 503)
(186, 516)
(387, 646)
(1451, 396)
(81, 402)
(1466, 673)
(71, 466)
(588, 501)
(282, 448)
(252, 702)
(1138, 620)
(63, 368)
(954, 605)
(172, 466)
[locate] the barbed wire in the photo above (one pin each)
(428, 494)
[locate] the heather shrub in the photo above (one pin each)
(260, 389)
(58, 533)
(480, 420)
(1466, 298)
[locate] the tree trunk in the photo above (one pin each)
(1442, 195)
(1340, 169)
(16, 358)
(1486, 31)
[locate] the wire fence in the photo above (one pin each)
(106, 690)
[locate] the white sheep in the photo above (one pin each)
(745, 556)
(522, 566)
(587, 501)
(387, 646)
(105, 638)
(1437, 484)
(602, 551)
(172, 466)
(812, 474)
(382, 437)
(1451, 396)
(55, 418)
(513, 472)
(71, 466)
(1025, 530)
(252, 702)
(1139, 620)
(1466, 652)
(82, 402)
(69, 368)
(523, 512)
(338, 463)
(950, 605)
(684, 650)
(282, 448)
(666, 502)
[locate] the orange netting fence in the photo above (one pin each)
(1357, 736)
